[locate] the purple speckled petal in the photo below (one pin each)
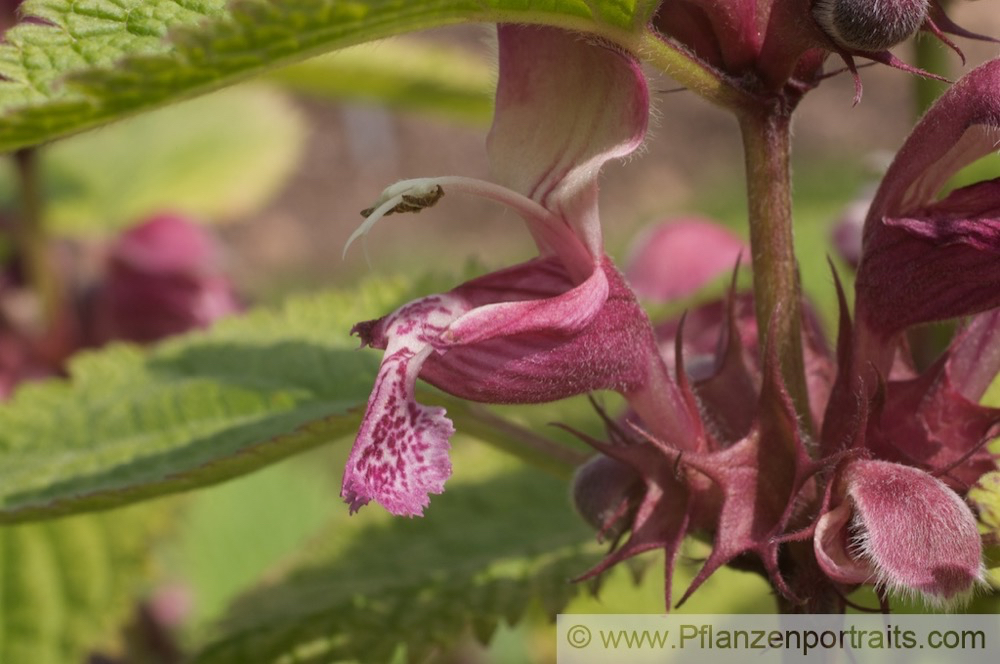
(521, 335)
(400, 454)
(559, 325)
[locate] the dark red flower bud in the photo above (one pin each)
(604, 492)
(869, 25)
(163, 278)
(903, 530)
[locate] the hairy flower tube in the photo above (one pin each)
(561, 324)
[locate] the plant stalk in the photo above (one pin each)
(523, 443)
(930, 56)
(504, 434)
(777, 290)
(32, 243)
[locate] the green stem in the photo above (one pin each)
(932, 56)
(767, 144)
(504, 434)
(553, 457)
(689, 71)
(32, 243)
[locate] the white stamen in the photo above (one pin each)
(372, 218)
(425, 188)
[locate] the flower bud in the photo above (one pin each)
(903, 530)
(603, 492)
(869, 25)
(847, 230)
(678, 257)
(163, 277)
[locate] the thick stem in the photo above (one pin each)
(815, 593)
(690, 72)
(766, 144)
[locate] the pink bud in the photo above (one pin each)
(163, 278)
(675, 258)
(171, 605)
(903, 530)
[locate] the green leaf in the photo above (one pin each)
(196, 410)
(985, 497)
(215, 158)
(485, 551)
(405, 74)
(233, 532)
(101, 60)
(67, 585)
(212, 159)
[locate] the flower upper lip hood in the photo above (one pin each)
(537, 331)
(902, 529)
(563, 108)
(925, 259)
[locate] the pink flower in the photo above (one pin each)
(562, 324)
(876, 484)
(925, 258)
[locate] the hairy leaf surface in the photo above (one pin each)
(487, 548)
(100, 60)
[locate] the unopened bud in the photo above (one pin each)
(869, 25)
(848, 230)
(604, 494)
